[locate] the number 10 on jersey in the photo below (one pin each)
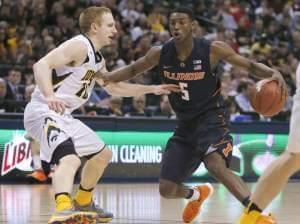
(184, 90)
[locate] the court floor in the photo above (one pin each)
(139, 204)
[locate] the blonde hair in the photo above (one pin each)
(89, 16)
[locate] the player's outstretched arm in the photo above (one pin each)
(145, 63)
(128, 89)
(222, 51)
(70, 52)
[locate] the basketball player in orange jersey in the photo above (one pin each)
(65, 78)
(277, 174)
(202, 133)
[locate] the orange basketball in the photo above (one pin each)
(267, 98)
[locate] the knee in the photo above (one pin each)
(167, 189)
(297, 156)
(215, 168)
(294, 160)
(106, 154)
(71, 161)
(103, 157)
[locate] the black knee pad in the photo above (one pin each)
(63, 149)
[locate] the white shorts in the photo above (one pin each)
(293, 144)
(51, 129)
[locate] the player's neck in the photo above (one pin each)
(95, 43)
(184, 48)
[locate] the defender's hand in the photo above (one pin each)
(56, 104)
(166, 89)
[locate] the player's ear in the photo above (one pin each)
(93, 26)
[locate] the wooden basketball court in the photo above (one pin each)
(139, 204)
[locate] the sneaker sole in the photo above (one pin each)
(32, 179)
(211, 191)
(77, 218)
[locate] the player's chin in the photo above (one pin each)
(109, 42)
(178, 38)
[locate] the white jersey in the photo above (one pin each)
(298, 77)
(74, 84)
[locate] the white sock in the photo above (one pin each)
(195, 195)
(37, 165)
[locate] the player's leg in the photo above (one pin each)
(89, 145)
(178, 164)
(57, 148)
(68, 163)
(278, 173)
(217, 164)
(38, 174)
(91, 173)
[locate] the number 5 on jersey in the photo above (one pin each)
(184, 90)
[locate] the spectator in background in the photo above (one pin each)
(165, 108)
(29, 79)
(257, 30)
(224, 15)
(14, 89)
(28, 92)
(296, 44)
(157, 19)
(227, 90)
(40, 25)
(115, 106)
(262, 45)
(243, 98)
(232, 109)
(129, 13)
(3, 45)
(126, 50)
(138, 107)
(3, 105)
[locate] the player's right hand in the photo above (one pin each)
(277, 76)
(56, 104)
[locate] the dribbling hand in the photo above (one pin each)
(282, 84)
(56, 104)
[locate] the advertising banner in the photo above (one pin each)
(137, 155)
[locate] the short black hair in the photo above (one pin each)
(184, 10)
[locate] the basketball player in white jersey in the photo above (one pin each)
(278, 173)
(65, 78)
(38, 174)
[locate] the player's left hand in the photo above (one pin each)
(166, 89)
(282, 84)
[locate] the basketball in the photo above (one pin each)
(267, 98)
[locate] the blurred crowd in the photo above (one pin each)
(267, 31)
